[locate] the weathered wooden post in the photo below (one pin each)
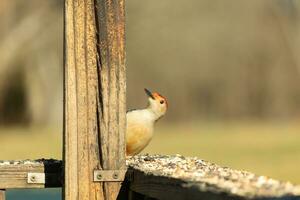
(94, 103)
(2, 194)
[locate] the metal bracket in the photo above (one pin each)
(109, 175)
(36, 178)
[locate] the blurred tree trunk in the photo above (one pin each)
(31, 54)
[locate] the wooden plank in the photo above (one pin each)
(176, 177)
(14, 174)
(94, 110)
(165, 188)
(112, 104)
(2, 194)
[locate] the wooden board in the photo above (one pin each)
(164, 177)
(2, 194)
(94, 103)
(14, 174)
(165, 188)
(177, 177)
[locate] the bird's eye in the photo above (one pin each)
(162, 102)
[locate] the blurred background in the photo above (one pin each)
(230, 71)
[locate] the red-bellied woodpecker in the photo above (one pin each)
(140, 123)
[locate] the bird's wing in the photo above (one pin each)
(130, 110)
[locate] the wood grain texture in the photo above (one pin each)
(165, 188)
(94, 108)
(177, 177)
(13, 174)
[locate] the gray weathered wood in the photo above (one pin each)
(94, 111)
(2, 194)
(13, 174)
(178, 177)
(165, 177)
(110, 16)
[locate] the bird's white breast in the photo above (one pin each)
(139, 130)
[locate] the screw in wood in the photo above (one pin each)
(99, 176)
(115, 175)
(32, 178)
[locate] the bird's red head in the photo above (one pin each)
(161, 99)
(158, 103)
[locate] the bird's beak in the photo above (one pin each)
(149, 93)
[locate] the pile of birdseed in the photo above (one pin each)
(210, 177)
(30, 162)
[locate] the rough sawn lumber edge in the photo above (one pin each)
(178, 177)
(13, 174)
(165, 177)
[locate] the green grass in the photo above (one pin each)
(30, 143)
(271, 149)
(265, 149)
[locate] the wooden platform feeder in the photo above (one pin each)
(94, 165)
